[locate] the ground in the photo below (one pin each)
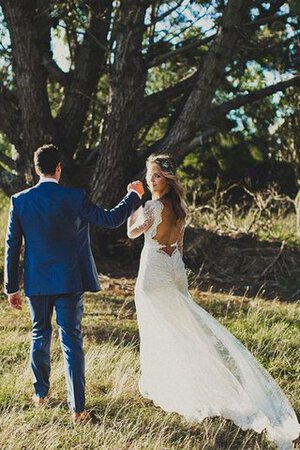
(122, 418)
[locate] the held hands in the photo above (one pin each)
(15, 300)
(136, 186)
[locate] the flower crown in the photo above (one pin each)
(166, 165)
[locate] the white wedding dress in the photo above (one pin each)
(190, 363)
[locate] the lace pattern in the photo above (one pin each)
(146, 220)
(190, 363)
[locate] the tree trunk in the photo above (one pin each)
(23, 18)
(83, 81)
(127, 84)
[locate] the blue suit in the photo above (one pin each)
(58, 268)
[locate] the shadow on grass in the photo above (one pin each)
(214, 433)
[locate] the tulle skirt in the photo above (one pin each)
(191, 364)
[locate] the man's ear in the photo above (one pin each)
(37, 171)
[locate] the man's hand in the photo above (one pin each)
(136, 186)
(15, 300)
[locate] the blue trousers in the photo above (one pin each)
(69, 310)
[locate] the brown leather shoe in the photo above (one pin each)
(39, 401)
(81, 417)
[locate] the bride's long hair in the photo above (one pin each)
(176, 193)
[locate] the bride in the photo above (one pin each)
(190, 363)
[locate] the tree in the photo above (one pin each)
(112, 108)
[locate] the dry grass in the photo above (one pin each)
(252, 248)
(122, 418)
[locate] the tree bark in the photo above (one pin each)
(11, 183)
(195, 110)
(10, 113)
(127, 84)
(88, 66)
(23, 18)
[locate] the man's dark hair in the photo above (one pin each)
(46, 159)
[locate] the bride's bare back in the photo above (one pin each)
(169, 231)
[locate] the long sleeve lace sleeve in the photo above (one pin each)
(180, 239)
(140, 221)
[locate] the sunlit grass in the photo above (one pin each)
(230, 221)
(122, 418)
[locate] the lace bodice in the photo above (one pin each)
(146, 220)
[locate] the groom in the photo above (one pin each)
(58, 267)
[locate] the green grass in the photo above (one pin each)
(122, 418)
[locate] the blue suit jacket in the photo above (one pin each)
(54, 221)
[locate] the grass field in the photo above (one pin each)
(122, 418)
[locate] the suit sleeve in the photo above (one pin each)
(109, 218)
(12, 251)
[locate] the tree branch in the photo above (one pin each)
(275, 6)
(54, 70)
(166, 14)
(181, 48)
(11, 183)
(197, 105)
(216, 113)
(242, 100)
(155, 105)
(189, 44)
(182, 134)
(7, 161)
(195, 142)
(10, 116)
(220, 112)
(268, 20)
(89, 62)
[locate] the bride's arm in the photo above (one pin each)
(180, 239)
(140, 221)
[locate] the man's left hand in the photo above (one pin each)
(15, 300)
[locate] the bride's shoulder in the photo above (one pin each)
(152, 204)
(153, 207)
